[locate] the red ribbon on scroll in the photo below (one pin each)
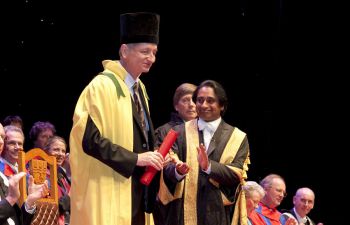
(163, 150)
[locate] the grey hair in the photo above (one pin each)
(13, 128)
(182, 90)
(250, 186)
(267, 181)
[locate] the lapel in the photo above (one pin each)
(213, 142)
(293, 213)
(310, 222)
(3, 188)
(219, 139)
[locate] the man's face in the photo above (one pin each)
(186, 108)
(13, 144)
(139, 57)
(275, 194)
(303, 202)
(207, 104)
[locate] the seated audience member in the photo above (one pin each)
(13, 120)
(267, 213)
(40, 133)
(253, 194)
(303, 200)
(13, 143)
(57, 146)
(10, 213)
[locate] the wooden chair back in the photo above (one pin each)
(37, 162)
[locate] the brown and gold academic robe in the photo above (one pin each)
(199, 198)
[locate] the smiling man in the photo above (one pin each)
(303, 200)
(203, 186)
(112, 138)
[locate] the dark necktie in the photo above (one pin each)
(139, 108)
(307, 222)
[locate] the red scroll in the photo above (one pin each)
(163, 150)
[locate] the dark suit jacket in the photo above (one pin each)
(19, 216)
(210, 208)
(162, 131)
(291, 211)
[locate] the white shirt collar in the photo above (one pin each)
(300, 220)
(210, 126)
(129, 81)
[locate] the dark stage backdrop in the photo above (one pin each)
(262, 52)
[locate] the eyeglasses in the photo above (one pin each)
(280, 191)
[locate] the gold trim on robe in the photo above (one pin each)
(191, 179)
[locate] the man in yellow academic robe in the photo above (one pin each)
(109, 145)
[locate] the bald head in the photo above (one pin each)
(305, 190)
(304, 200)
